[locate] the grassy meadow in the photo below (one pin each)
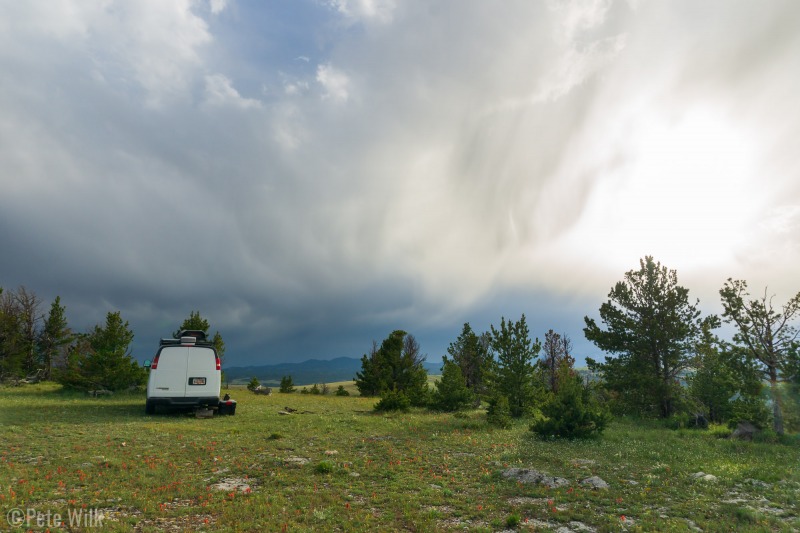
(334, 465)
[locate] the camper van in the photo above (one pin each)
(186, 373)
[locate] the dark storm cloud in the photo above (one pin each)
(420, 166)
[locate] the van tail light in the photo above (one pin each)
(219, 363)
(154, 364)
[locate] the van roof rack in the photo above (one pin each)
(187, 336)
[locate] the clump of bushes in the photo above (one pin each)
(498, 413)
(572, 411)
(393, 400)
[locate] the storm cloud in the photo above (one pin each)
(312, 175)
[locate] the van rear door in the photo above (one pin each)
(169, 380)
(202, 377)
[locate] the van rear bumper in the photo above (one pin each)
(181, 401)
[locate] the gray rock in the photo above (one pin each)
(299, 461)
(580, 526)
(595, 482)
(525, 475)
(744, 431)
(704, 477)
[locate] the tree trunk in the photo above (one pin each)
(777, 412)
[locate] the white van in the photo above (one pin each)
(185, 373)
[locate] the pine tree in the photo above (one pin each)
(498, 413)
(287, 385)
(11, 355)
(768, 337)
(197, 322)
(395, 366)
(451, 392)
(101, 359)
(254, 384)
(370, 380)
(515, 372)
(472, 355)
(653, 329)
(54, 337)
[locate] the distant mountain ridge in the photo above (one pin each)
(308, 372)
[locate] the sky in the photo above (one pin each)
(311, 175)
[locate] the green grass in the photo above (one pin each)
(341, 467)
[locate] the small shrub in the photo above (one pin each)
(254, 383)
(499, 414)
(341, 391)
(314, 389)
(745, 515)
(304, 391)
(767, 436)
(572, 412)
(393, 400)
(325, 390)
(324, 467)
(513, 521)
(719, 431)
(677, 421)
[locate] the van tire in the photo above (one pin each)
(149, 408)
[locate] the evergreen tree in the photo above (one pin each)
(395, 366)
(498, 413)
(472, 355)
(572, 411)
(193, 322)
(556, 350)
(101, 359)
(371, 379)
(515, 372)
(451, 392)
(254, 384)
(197, 322)
(287, 385)
(653, 330)
(11, 356)
(767, 336)
(54, 337)
(722, 372)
